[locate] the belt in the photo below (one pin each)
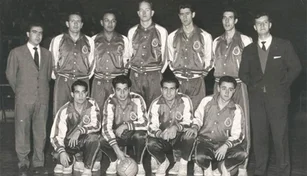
(107, 76)
(237, 79)
(68, 76)
(145, 69)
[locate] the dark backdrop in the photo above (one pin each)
(289, 21)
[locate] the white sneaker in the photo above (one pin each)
(67, 170)
(96, 166)
(198, 171)
(174, 169)
(58, 169)
(79, 166)
(242, 172)
(154, 165)
(183, 168)
(112, 168)
(161, 171)
(141, 171)
(87, 172)
(216, 172)
(208, 172)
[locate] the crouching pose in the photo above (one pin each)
(218, 123)
(74, 131)
(124, 124)
(169, 115)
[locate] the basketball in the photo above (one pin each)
(127, 167)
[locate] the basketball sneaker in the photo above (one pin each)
(79, 166)
(87, 172)
(112, 168)
(154, 165)
(216, 172)
(96, 166)
(175, 168)
(183, 168)
(242, 172)
(161, 171)
(141, 171)
(67, 170)
(58, 169)
(198, 171)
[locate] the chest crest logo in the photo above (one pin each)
(133, 116)
(120, 48)
(155, 42)
(86, 119)
(178, 116)
(236, 51)
(228, 122)
(196, 45)
(85, 49)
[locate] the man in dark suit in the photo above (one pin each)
(268, 67)
(28, 71)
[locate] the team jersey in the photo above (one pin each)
(162, 116)
(147, 48)
(219, 125)
(68, 120)
(227, 57)
(72, 59)
(190, 57)
(111, 57)
(133, 115)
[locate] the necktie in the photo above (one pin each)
(36, 60)
(263, 46)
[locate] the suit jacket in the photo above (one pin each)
(282, 67)
(29, 83)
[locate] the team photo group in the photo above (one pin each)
(130, 104)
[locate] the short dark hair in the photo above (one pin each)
(147, 1)
(185, 6)
(261, 14)
(110, 11)
(34, 24)
(79, 83)
(228, 79)
(230, 9)
(121, 79)
(74, 13)
(169, 79)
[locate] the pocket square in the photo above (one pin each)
(276, 57)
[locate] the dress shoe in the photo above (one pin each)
(23, 171)
(40, 171)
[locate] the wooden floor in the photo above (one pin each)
(298, 144)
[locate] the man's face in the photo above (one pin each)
(262, 25)
(109, 22)
(186, 16)
(145, 12)
(229, 21)
(169, 91)
(226, 90)
(35, 35)
(79, 95)
(121, 91)
(75, 23)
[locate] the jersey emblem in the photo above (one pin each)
(155, 42)
(236, 51)
(84, 49)
(179, 116)
(86, 119)
(228, 122)
(196, 45)
(120, 49)
(133, 116)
